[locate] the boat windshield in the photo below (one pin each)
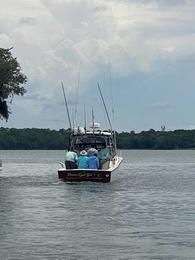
(86, 141)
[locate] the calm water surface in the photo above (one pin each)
(147, 212)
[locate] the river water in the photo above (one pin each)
(147, 212)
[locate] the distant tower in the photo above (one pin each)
(163, 128)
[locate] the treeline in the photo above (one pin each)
(158, 140)
(35, 138)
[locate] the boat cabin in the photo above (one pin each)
(91, 140)
(84, 140)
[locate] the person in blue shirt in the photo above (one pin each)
(83, 160)
(93, 162)
(104, 157)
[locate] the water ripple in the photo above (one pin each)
(147, 212)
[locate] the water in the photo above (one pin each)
(147, 212)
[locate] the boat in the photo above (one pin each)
(91, 140)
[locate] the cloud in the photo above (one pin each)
(27, 21)
(161, 3)
(5, 40)
(128, 36)
(51, 38)
(160, 106)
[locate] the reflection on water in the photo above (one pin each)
(147, 212)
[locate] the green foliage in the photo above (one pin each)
(178, 139)
(34, 138)
(11, 79)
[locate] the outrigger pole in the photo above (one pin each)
(65, 100)
(67, 110)
(108, 116)
(105, 107)
(113, 118)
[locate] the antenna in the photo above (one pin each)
(93, 119)
(105, 107)
(85, 121)
(65, 100)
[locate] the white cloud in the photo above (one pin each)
(127, 35)
(5, 40)
(160, 106)
(50, 38)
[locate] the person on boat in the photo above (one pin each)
(83, 160)
(104, 157)
(93, 161)
(71, 159)
(92, 151)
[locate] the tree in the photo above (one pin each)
(11, 79)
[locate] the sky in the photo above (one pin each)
(141, 52)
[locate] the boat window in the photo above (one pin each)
(89, 140)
